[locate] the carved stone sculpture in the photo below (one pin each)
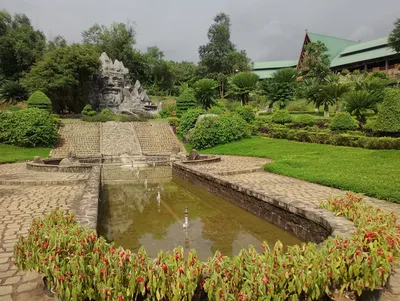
(112, 90)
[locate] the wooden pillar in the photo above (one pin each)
(386, 65)
(365, 67)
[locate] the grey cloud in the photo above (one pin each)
(266, 29)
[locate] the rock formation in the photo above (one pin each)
(112, 90)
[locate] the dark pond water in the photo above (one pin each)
(131, 215)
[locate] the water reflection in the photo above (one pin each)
(148, 209)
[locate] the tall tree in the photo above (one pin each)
(20, 45)
(316, 60)
(242, 84)
(394, 37)
(65, 75)
(57, 42)
(219, 57)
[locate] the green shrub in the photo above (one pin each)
(281, 117)
(39, 100)
(213, 131)
(217, 109)
(14, 108)
(11, 91)
(88, 111)
(388, 120)
(304, 120)
(173, 121)
(185, 101)
(106, 112)
(246, 112)
(297, 106)
(188, 120)
(343, 122)
(28, 128)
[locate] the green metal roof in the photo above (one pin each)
(274, 65)
(334, 45)
(382, 42)
(263, 74)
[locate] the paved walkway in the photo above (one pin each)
(19, 204)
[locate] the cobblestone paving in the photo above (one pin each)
(82, 139)
(119, 138)
(19, 205)
(156, 138)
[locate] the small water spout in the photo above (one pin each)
(186, 223)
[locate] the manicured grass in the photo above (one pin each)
(10, 154)
(70, 120)
(373, 172)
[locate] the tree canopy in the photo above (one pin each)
(394, 37)
(316, 60)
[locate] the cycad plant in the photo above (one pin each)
(332, 91)
(359, 104)
(205, 90)
(242, 84)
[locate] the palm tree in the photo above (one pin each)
(359, 104)
(332, 91)
(242, 84)
(205, 90)
(311, 90)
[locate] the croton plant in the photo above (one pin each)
(78, 265)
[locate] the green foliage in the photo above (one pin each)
(304, 120)
(14, 108)
(388, 120)
(316, 60)
(12, 91)
(219, 130)
(106, 112)
(185, 101)
(331, 92)
(359, 104)
(173, 121)
(217, 109)
(65, 75)
(343, 122)
(297, 106)
(205, 90)
(329, 165)
(188, 120)
(11, 154)
(105, 118)
(88, 111)
(246, 112)
(28, 128)
(20, 45)
(242, 84)
(281, 117)
(394, 37)
(39, 100)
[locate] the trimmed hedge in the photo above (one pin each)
(185, 101)
(246, 112)
(188, 120)
(39, 100)
(343, 122)
(388, 120)
(332, 138)
(28, 128)
(281, 117)
(88, 111)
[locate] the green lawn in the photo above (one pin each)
(10, 154)
(372, 172)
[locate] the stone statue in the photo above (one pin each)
(112, 90)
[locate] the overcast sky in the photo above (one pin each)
(266, 29)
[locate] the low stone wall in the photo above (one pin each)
(57, 168)
(87, 208)
(308, 224)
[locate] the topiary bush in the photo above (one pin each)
(223, 129)
(246, 112)
(173, 121)
(188, 120)
(88, 111)
(343, 122)
(39, 100)
(281, 117)
(185, 101)
(107, 112)
(388, 120)
(304, 120)
(28, 128)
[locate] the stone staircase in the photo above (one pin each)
(113, 139)
(82, 139)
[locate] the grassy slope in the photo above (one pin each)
(373, 172)
(10, 154)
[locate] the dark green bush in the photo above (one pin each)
(217, 109)
(185, 101)
(304, 120)
(388, 120)
(167, 111)
(28, 128)
(106, 112)
(246, 112)
(223, 129)
(281, 117)
(188, 120)
(173, 121)
(12, 91)
(343, 122)
(39, 100)
(88, 111)
(14, 108)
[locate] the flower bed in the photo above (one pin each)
(79, 265)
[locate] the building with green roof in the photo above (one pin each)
(344, 54)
